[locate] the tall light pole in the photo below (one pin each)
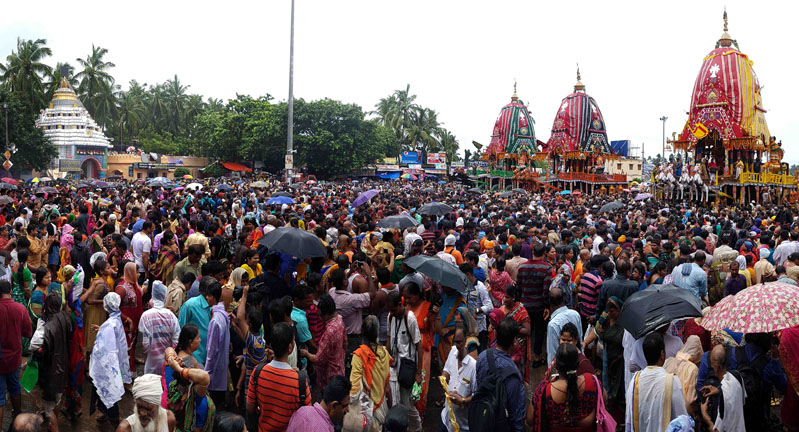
(5, 110)
(290, 142)
(663, 119)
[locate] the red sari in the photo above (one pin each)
(130, 307)
(520, 354)
(789, 356)
(426, 329)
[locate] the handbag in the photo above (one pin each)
(359, 415)
(31, 376)
(604, 421)
(406, 375)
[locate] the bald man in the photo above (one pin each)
(27, 422)
(733, 418)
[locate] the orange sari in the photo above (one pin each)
(426, 329)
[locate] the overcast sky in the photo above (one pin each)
(638, 59)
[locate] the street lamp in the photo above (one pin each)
(290, 141)
(663, 119)
(5, 110)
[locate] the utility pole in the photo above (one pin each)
(290, 143)
(663, 119)
(5, 109)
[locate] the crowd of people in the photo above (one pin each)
(171, 294)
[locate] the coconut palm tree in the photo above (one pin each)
(24, 72)
(131, 113)
(421, 132)
(95, 80)
(449, 144)
(157, 106)
(176, 99)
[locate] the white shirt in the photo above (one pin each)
(651, 391)
(403, 338)
(637, 361)
(446, 257)
(598, 242)
(734, 395)
(409, 239)
(462, 380)
(141, 243)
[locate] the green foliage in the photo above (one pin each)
(181, 171)
(34, 150)
(213, 170)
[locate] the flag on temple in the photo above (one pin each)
(700, 130)
(477, 145)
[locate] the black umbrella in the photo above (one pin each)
(435, 208)
(224, 187)
(440, 271)
(397, 221)
(5, 199)
(283, 194)
(7, 186)
(656, 306)
(507, 194)
(46, 189)
(519, 190)
(474, 191)
(294, 242)
(615, 205)
(295, 185)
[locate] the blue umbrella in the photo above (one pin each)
(280, 200)
(442, 182)
(224, 187)
(566, 192)
(364, 197)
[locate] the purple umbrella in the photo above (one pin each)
(364, 197)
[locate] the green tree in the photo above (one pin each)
(25, 73)
(34, 150)
(95, 84)
(449, 144)
(130, 114)
(422, 129)
(54, 81)
(181, 171)
(176, 98)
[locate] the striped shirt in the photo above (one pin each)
(277, 395)
(533, 279)
(590, 286)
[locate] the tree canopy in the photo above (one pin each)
(330, 137)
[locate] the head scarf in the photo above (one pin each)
(66, 273)
(159, 294)
(722, 338)
(52, 305)
(148, 389)
(67, 240)
(617, 302)
(691, 351)
(235, 278)
(741, 260)
(469, 323)
(111, 302)
(131, 273)
(96, 256)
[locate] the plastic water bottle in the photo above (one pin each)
(416, 390)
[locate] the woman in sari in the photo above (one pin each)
(370, 369)
(36, 302)
(238, 278)
(187, 395)
(612, 334)
(498, 280)
(21, 280)
(686, 366)
(789, 355)
(131, 307)
(421, 309)
(65, 244)
(72, 291)
(92, 299)
(511, 308)
(167, 258)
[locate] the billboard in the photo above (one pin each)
(436, 158)
(409, 157)
(69, 165)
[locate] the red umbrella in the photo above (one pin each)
(9, 180)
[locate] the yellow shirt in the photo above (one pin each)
(252, 273)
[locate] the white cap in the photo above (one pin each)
(449, 240)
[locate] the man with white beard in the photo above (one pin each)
(148, 415)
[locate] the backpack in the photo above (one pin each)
(488, 410)
(757, 395)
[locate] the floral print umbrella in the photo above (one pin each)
(763, 308)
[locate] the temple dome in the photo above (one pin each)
(513, 131)
(579, 124)
(726, 96)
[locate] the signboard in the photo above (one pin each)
(389, 161)
(482, 164)
(289, 161)
(436, 158)
(154, 166)
(7, 164)
(415, 166)
(409, 157)
(69, 165)
(441, 166)
(90, 151)
(456, 164)
(392, 167)
(7, 154)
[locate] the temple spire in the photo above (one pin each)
(725, 40)
(579, 86)
(514, 97)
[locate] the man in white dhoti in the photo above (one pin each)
(730, 418)
(634, 359)
(148, 415)
(654, 397)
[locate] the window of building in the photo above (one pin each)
(618, 166)
(639, 166)
(631, 166)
